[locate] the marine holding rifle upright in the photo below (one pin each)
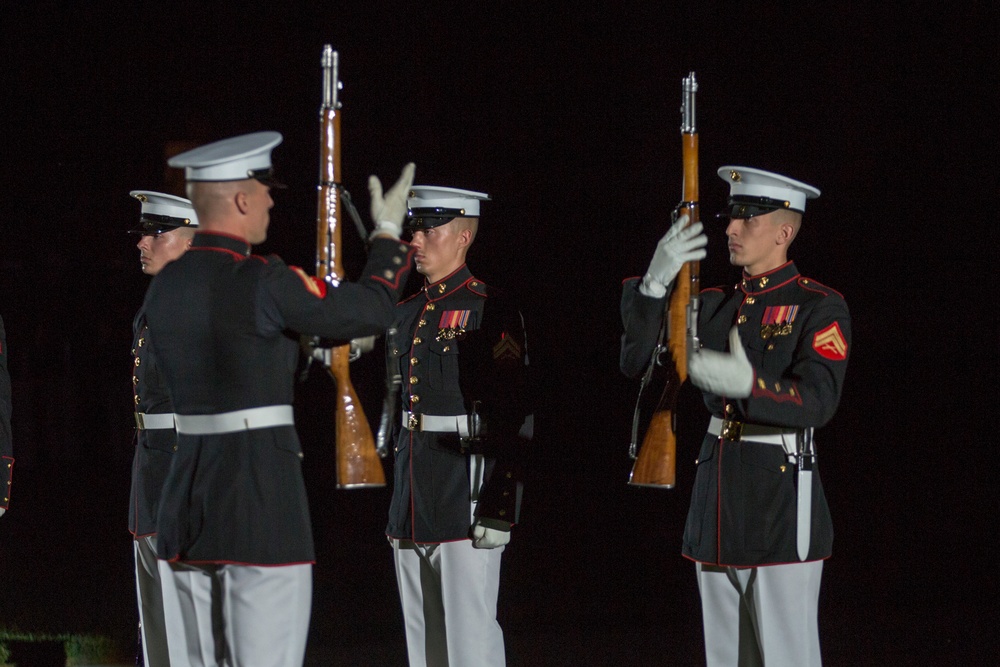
(771, 369)
(458, 346)
(233, 526)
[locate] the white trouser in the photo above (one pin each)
(761, 615)
(148, 589)
(449, 597)
(237, 615)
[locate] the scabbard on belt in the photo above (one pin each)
(797, 444)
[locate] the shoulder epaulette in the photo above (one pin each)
(477, 286)
(814, 286)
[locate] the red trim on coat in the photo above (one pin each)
(812, 284)
(394, 284)
(777, 398)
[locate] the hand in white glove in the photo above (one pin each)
(677, 247)
(488, 538)
(722, 373)
(389, 211)
(2, 510)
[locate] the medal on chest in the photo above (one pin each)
(777, 321)
(452, 324)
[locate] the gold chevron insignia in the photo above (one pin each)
(506, 349)
(830, 343)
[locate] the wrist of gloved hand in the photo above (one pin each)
(388, 209)
(387, 228)
(653, 288)
(488, 538)
(723, 373)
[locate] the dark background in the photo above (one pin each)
(568, 116)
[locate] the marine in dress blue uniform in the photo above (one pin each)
(166, 229)
(233, 516)
(771, 368)
(459, 348)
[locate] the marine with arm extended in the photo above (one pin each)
(220, 320)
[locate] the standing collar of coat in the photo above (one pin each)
(769, 280)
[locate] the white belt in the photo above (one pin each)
(769, 435)
(146, 422)
(437, 423)
(235, 421)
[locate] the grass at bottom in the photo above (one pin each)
(81, 649)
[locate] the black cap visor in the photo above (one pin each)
(428, 218)
(745, 207)
(266, 176)
(152, 225)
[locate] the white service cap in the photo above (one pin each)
(161, 212)
(756, 192)
(434, 205)
(232, 159)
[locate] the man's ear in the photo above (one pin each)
(786, 232)
(242, 204)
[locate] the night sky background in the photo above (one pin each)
(567, 114)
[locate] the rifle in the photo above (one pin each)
(357, 464)
(656, 462)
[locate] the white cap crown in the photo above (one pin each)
(232, 159)
(766, 190)
(162, 212)
(438, 197)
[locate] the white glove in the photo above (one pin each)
(389, 211)
(488, 538)
(2, 510)
(722, 373)
(677, 247)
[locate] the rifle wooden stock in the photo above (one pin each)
(656, 464)
(358, 465)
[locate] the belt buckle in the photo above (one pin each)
(138, 421)
(732, 430)
(413, 422)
